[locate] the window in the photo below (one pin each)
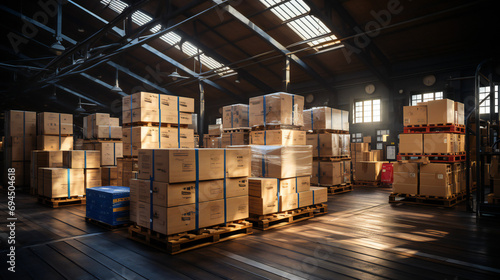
(296, 15)
(424, 97)
(382, 134)
(357, 138)
(171, 38)
(367, 111)
(484, 108)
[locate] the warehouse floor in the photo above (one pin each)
(362, 237)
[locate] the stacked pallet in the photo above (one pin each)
(153, 121)
(328, 133)
(214, 137)
(280, 189)
(20, 140)
(104, 133)
(435, 139)
(189, 190)
(235, 125)
(55, 132)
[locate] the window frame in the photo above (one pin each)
(374, 116)
(484, 109)
(421, 97)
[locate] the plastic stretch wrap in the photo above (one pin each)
(234, 116)
(329, 144)
(277, 109)
(280, 161)
(326, 118)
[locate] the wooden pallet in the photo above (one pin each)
(427, 200)
(318, 131)
(344, 188)
(182, 242)
(62, 201)
(435, 128)
(105, 225)
(237, 129)
(334, 158)
(276, 127)
(154, 124)
(270, 221)
(444, 158)
(367, 183)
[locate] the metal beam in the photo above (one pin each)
(139, 78)
(80, 95)
(262, 34)
(168, 59)
(363, 56)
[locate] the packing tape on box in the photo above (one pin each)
(264, 109)
(331, 118)
(109, 132)
(248, 117)
(298, 194)
(131, 134)
(84, 159)
(314, 195)
(151, 179)
(278, 193)
(225, 197)
(59, 131)
(232, 125)
(159, 120)
(178, 124)
(197, 189)
(293, 108)
(69, 182)
(319, 173)
(114, 153)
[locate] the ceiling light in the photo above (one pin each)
(81, 30)
(57, 48)
(53, 96)
(80, 109)
(176, 76)
(237, 78)
(116, 88)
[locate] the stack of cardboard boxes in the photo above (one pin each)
(104, 133)
(152, 121)
(235, 123)
(69, 173)
(20, 140)
(55, 132)
(179, 190)
(367, 163)
(442, 179)
(214, 137)
(281, 162)
(329, 136)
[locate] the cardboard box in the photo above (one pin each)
(92, 178)
(168, 221)
(442, 143)
(140, 100)
(288, 202)
(285, 137)
(320, 194)
(211, 164)
(22, 173)
(211, 213)
(330, 173)
(260, 206)
(459, 113)
(114, 121)
(318, 118)
(368, 170)
(281, 161)
(171, 165)
(265, 188)
(405, 178)
(126, 168)
(20, 148)
(81, 159)
(303, 183)
(54, 143)
(141, 115)
(235, 138)
(313, 140)
(110, 151)
(329, 145)
(415, 115)
(345, 120)
(48, 158)
(440, 111)
(237, 208)
(215, 129)
(436, 179)
(347, 172)
(305, 198)
(109, 132)
(277, 109)
(238, 162)
(55, 124)
(211, 190)
(21, 123)
(109, 176)
(234, 116)
(367, 139)
(53, 182)
(170, 195)
(287, 186)
(360, 147)
(176, 103)
(411, 143)
(236, 187)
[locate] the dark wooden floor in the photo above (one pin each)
(362, 237)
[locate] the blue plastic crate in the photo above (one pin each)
(109, 204)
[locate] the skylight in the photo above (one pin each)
(170, 38)
(296, 15)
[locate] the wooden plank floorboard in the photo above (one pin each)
(147, 267)
(62, 265)
(85, 262)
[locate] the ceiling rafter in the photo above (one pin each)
(273, 42)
